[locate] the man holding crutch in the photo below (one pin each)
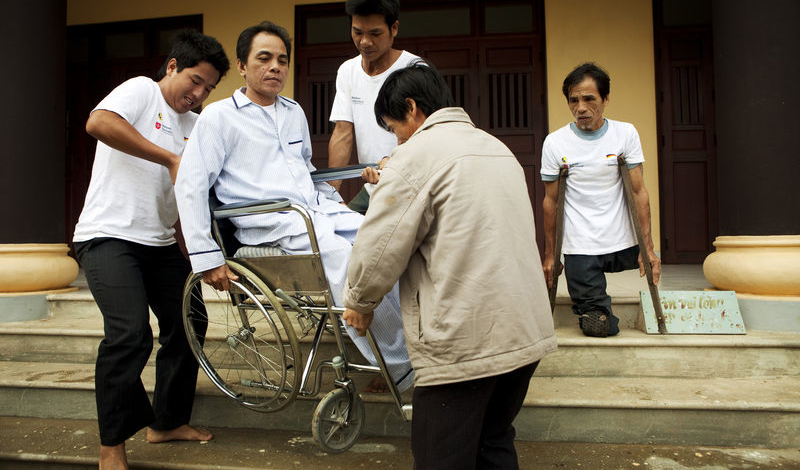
(598, 234)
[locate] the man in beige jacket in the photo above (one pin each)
(451, 218)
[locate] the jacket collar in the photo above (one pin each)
(444, 115)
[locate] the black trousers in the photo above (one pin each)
(586, 280)
(468, 425)
(125, 278)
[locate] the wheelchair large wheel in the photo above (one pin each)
(243, 340)
(337, 425)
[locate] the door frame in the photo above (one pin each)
(689, 212)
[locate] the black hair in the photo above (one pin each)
(390, 9)
(421, 82)
(190, 47)
(589, 69)
(245, 42)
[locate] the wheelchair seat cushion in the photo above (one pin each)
(258, 251)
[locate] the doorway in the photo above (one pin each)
(687, 139)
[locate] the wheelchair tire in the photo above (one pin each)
(336, 426)
(243, 340)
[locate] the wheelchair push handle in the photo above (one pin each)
(238, 209)
(340, 173)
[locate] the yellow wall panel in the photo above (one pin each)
(618, 36)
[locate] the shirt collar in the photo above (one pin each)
(590, 135)
(240, 99)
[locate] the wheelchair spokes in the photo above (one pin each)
(246, 345)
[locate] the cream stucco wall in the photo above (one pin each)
(618, 36)
(223, 20)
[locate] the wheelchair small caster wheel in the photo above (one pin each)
(336, 425)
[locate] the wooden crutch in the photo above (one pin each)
(562, 189)
(626, 184)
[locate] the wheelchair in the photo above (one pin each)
(246, 340)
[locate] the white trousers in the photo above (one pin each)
(335, 236)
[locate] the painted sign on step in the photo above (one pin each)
(695, 312)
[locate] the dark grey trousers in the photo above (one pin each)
(586, 280)
(125, 278)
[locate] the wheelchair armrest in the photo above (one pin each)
(340, 173)
(238, 209)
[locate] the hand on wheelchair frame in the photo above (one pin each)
(219, 277)
(359, 321)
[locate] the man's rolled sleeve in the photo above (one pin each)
(353, 302)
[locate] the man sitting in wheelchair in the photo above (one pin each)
(254, 146)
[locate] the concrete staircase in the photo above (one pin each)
(632, 388)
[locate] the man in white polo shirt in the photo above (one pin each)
(374, 26)
(598, 234)
(256, 145)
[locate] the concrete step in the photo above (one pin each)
(635, 388)
(627, 308)
(74, 329)
(66, 390)
(709, 411)
(623, 287)
(723, 411)
(73, 334)
(633, 353)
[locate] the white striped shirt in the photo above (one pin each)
(236, 148)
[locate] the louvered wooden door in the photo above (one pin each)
(513, 108)
(316, 89)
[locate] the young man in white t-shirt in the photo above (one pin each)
(125, 242)
(598, 233)
(374, 26)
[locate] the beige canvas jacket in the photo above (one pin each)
(451, 219)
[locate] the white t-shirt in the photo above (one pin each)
(272, 110)
(131, 198)
(355, 102)
(596, 218)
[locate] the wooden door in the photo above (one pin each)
(687, 150)
(512, 108)
(315, 90)
(494, 68)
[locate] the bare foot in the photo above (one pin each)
(377, 385)
(181, 433)
(113, 457)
